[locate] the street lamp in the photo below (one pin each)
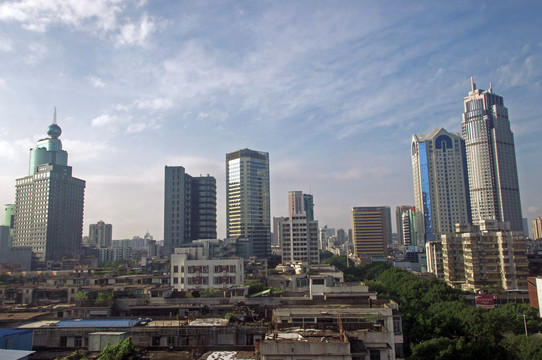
(524, 323)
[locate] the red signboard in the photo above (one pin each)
(485, 301)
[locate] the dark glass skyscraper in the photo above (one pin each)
(248, 213)
(189, 208)
(491, 159)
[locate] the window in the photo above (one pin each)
(175, 268)
(78, 341)
(156, 341)
(63, 341)
(374, 354)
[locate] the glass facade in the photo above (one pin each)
(440, 184)
(247, 199)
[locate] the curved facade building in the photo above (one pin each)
(440, 184)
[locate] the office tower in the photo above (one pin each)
(101, 234)
(537, 228)
(248, 213)
(308, 205)
(485, 257)
(399, 210)
(277, 221)
(203, 211)
(491, 159)
(189, 208)
(8, 219)
(371, 230)
(440, 183)
(525, 223)
(325, 234)
(299, 235)
(341, 236)
(49, 202)
(410, 230)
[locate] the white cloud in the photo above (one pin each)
(95, 81)
(136, 127)
(38, 15)
(6, 45)
(105, 120)
(36, 53)
(99, 17)
(136, 33)
(154, 104)
(81, 151)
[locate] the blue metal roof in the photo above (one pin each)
(98, 323)
(7, 332)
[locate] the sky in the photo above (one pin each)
(332, 90)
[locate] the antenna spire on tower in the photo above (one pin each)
(473, 85)
(54, 117)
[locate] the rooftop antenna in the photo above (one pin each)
(473, 85)
(54, 117)
(490, 88)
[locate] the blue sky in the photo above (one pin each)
(333, 90)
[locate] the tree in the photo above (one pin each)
(105, 299)
(254, 286)
(80, 295)
(123, 350)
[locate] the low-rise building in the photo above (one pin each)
(195, 268)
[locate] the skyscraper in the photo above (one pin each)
(101, 234)
(189, 208)
(440, 183)
(371, 230)
(399, 210)
(299, 235)
(491, 159)
(49, 202)
(248, 213)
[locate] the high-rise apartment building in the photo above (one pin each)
(277, 223)
(399, 210)
(410, 229)
(189, 208)
(101, 234)
(491, 159)
(49, 202)
(371, 230)
(248, 213)
(440, 183)
(489, 256)
(299, 235)
(537, 228)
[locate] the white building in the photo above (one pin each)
(493, 176)
(49, 202)
(192, 268)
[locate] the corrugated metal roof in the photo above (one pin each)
(98, 323)
(7, 332)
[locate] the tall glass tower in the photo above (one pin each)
(441, 190)
(248, 213)
(491, 159)
(49, 202)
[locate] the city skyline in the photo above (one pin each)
(333, 92)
